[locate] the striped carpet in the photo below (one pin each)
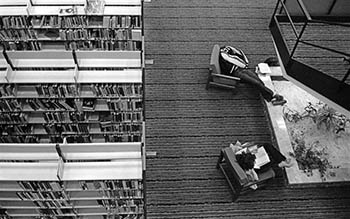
(187, 125)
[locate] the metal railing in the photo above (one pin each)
(281, 11)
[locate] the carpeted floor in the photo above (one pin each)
(187, 125)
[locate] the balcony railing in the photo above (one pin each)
(311, 56)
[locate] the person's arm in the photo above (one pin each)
(235, 148)
(252, 177)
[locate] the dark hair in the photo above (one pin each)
(246, 160)
(272, 61)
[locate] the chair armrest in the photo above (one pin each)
(236, 169)
(226, 77)
(268, 174)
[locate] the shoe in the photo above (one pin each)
(286, 163)
(278, 102)
(277, 97)
(254, 187)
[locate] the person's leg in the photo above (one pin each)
(276, 156)
(250, 77)
(273, 153)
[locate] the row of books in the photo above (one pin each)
(111, 185)
(68, 128)
(51, 104)
(116, 21)
(124, 216)
(97, 34)
(76, 139)
(136, 116)
(12, 130)
(7, 90)
(86, 104)
(41, 185)
(122, 194)
(47, 212)
(10, 105)
(121, 22)
(53, 128)
(69, 34)
(122, 205)
(14, 22)
(110, 215)
(6, 118)
(120, 90)
(45, 195)
(51, 117)
(121, 128)
(125, 104)
(71, 90)
(21, 139)
(59, 21)
(23, 45)
(71, 138)
(56, 90)
(46, 21)
(108, 45)
(112, 205)
(125, 184)
(123, 137)
(18, 34)
(107, 119)
(63, 116)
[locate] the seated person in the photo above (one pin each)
(245, 156)
(233, 62)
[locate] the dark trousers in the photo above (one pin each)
(246, 76)
(252, 78)
(275, 156)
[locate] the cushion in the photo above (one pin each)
(214, 59)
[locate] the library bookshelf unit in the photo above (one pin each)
(72, 136)
(71, 180)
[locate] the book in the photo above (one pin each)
(263, 68)
(262, 158)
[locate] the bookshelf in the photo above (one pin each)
(72, 180)
(72, 130)
(41, 25)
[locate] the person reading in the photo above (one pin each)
(254, 158)
(233, 62)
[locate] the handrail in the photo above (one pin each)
(330, 87)
(289, 17)
(304, 10)
(308, 20)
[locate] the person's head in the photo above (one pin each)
(246, 160)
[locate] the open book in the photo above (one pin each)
(262, 158)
